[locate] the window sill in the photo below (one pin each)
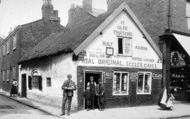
(143, 93)
(120, 94)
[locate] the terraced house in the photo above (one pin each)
(23, 38)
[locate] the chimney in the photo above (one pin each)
(87, 5)
(47, 9)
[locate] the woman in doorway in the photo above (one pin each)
(13, 91)
(92, 85)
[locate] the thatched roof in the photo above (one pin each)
(65, 41)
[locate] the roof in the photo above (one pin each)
(80, 37)
(64, 41)
(184, 41)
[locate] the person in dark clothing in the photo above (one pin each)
(13, 91)
(100, 89)
(92, 86)
(87, 96)
(68, 87)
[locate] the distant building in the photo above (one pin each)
(23, 38)
(113, 47)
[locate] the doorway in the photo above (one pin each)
(97, 76)
(24, 88)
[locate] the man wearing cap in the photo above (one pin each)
(68, 87)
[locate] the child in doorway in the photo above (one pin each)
(87, 97)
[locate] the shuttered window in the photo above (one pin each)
(125, 46)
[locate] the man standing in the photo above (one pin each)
(68, 87)
(92, 86)
(100, 89)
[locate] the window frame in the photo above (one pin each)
(48, 82)
(8, 46)
(120, 94)
(124, 53)
(14, 42)
(143, 92)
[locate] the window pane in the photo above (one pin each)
(127, 46)
(124, 82)
(147, 83)
(116, 83)
(120, 45)
(140, 83)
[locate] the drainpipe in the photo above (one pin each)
(169, 16)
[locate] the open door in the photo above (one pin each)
(23, 86)
(97, 76)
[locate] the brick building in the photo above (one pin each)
(23, 38)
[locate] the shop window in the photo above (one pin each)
(144, 83)
(120, 83)
(188, 13)
(125, 46)
(48, 80)
(14, 42)
(37, 82)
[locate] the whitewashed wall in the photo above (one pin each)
(58, 69)
(143, 55)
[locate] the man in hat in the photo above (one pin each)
(68, 87)
(100, 89)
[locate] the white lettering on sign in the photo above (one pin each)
(120, 63)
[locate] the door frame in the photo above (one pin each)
(84, 74)
(22, 88)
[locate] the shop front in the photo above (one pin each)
(126, 59)
(178, 77)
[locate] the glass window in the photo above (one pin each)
(8, 75)
(37, 82)
(14, 42)
(8, 47)
(144, 83)
(3, 75)
(120, 83)
(14, 72)
(125, 46)
(48, 82)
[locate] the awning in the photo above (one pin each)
(184, 41)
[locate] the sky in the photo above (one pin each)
(18, 12)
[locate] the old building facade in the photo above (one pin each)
(114, 48)
(23, 38)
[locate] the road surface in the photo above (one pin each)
(10, 109)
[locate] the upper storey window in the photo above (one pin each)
(14, 42)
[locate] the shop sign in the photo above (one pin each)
(115, 62)
(157, 76)
(133, 77)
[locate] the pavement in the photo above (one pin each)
(180, 110)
